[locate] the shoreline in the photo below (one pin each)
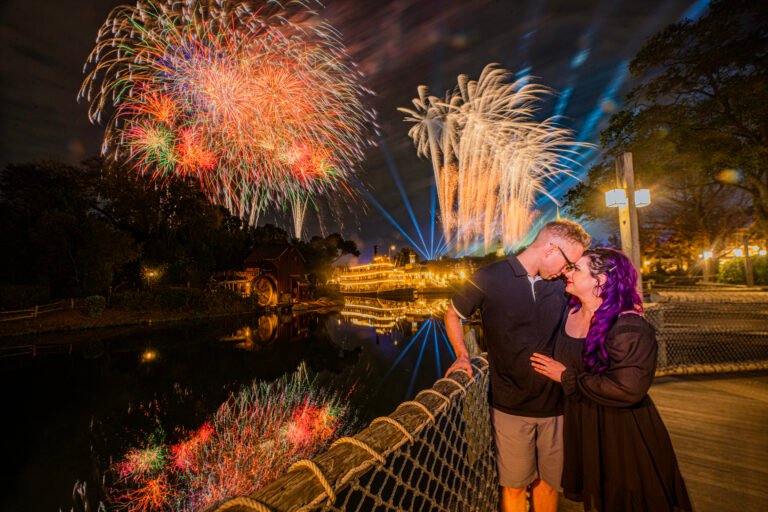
(76, 321)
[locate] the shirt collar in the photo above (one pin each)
(517, 267)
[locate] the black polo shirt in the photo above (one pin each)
(516, 325)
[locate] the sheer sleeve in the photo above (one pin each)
(631, 347)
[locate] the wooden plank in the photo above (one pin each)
(719, 428)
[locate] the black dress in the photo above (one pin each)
(618, 455)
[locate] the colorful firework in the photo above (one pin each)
(252, 439)
(257, 101)
(489, 155)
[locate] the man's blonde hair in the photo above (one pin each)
(567, 230)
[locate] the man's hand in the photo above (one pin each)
(461, 363)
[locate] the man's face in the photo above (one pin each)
(559, 257)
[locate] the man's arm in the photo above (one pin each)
(456, 337)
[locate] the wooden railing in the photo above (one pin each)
(35, 311)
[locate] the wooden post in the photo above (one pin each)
(630, 233)
(34, 313)
(748, 272)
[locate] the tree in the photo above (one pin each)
(52, 232)
(697, 127)
(320, 253)
(702, 94)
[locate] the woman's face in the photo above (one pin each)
(579, 281)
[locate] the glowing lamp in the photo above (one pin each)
(642, 197)
(616, 198)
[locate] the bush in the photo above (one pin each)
(177, 300)
(94, 305)
(16, 296)
(732, 271)
(181, 299)
(133, 301)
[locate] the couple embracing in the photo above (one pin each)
(571, 362)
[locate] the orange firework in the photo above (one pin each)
(261, 104)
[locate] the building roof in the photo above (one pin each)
(270, 253)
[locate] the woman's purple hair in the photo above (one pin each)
(619, 294)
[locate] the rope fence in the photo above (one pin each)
(434, 452)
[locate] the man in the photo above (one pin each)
(521, 301)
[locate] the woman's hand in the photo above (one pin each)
(547, 366)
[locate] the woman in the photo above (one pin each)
(618, 455)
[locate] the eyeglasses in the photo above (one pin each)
(569, 265)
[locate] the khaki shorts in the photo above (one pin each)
(528, 449)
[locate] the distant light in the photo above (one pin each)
(738, 253)
(642, 197)
(762, 253)
(707, 254)
(616, 198)
(148, 356)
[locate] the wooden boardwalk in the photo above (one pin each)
(719, 427)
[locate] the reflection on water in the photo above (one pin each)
(76, 409)
(386, 316)
(267, 328)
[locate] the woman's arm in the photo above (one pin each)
(631, 347)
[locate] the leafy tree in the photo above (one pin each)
(320, 253)
(52, 232)
(697, 127)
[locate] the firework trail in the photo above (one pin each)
(489, 155)
(251, 440)
(257, 101)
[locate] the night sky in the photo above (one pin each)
(579, 48)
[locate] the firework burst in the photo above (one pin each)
(257, 101)
(489, 155)
(251, 440)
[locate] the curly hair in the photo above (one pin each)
(619, 294)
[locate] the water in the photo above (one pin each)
(84, 399)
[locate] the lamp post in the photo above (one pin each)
(628, 200)
(150, 278)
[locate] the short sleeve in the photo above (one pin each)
(471, 294)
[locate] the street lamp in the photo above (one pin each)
(628, 224)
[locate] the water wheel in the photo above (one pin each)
(265, 290)
(267, 328)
